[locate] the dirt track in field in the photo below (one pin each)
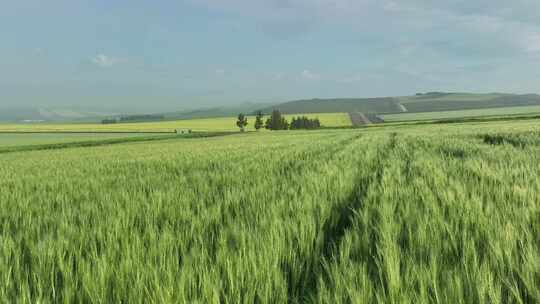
(359, 119)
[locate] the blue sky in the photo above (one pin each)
(181, 54)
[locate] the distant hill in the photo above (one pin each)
(464, 101)
(365, 105)
(224, 111)
(422, 102)
(28, 114)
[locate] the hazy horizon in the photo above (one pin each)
(181, 55)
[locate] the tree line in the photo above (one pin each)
(276, 121)
(133, 118)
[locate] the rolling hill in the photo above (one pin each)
(364, 105)
(65, 114)
(74, 114)
(223, 111)
(428, 102)
(434, 102)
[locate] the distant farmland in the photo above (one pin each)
(462, 114)
(456, 101)
(203, 124)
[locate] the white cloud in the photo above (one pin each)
(510, 34)
(38, 51)
(483, 23)
(105, 61)
(351, 79)
(532, 42)
(480, 25)
(306, 74)
(278, 76)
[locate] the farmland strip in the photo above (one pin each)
(359, 119)
(107, 142)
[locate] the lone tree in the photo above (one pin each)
(277, 122)
(242, 122)
(259, 121)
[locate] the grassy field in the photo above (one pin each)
(462, 114)
(415, 214)
(204, 124)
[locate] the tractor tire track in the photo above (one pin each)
(342, 218)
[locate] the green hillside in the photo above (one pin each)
(365, 105)
(475, 113)
(434, 102)
(224, 111)
(84, 115)
(29, 114)
(428, 102)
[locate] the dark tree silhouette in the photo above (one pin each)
(303, 122)
(242, 122)
(277, 121)
(259, 121)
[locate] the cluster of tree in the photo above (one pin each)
(109, 121)
(276, 121)
(302, 122)
(132, 118)
(242, 121)
(179, 131)
(147, 117)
